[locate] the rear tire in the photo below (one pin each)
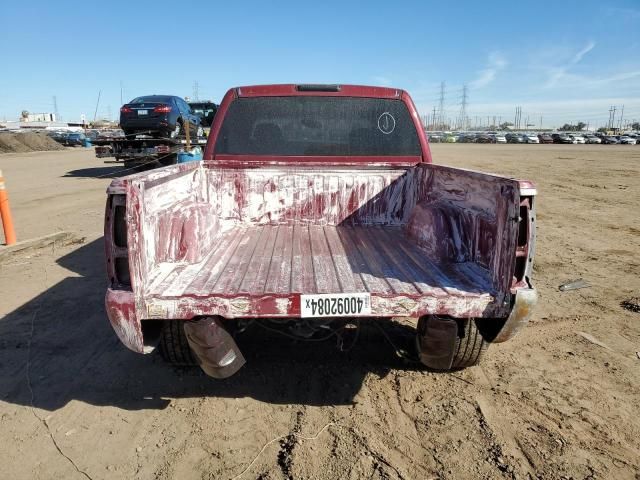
(174, 346)
(469, 346)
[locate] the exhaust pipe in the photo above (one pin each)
(217, 352)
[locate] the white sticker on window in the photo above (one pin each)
(386, 123)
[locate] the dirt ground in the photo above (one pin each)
(550, 404)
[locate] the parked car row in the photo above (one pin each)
(531, 137)
(71, 139)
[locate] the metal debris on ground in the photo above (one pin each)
(632, 304)
(574, 285)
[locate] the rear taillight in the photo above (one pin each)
(525, 246)
(125, 110)
(162, 109)
(116, 242)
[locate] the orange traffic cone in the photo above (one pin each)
(5, 214)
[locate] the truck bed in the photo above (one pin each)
(290, 259)
(244, 242)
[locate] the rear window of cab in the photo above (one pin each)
(318, 126)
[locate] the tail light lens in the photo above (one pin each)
(116, 242)
(525, 245)
(162, 109)
(125, 110)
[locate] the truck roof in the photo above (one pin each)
(329, 90)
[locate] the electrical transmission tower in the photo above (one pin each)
(518, 118)
(462, 117)
(621, 119)
(612, 117)
(441, 106)
(196, 92)
(55, 109)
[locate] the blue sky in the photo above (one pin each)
(564, 62)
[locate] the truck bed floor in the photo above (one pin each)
(283, 259)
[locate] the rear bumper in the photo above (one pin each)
(154, 124)
(120, 306)
(524, 302)
(121, 311)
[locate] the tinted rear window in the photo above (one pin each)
(153, 99)
(317, 126)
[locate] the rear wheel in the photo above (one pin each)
(469, 346)
(174, 346)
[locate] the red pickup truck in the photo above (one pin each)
(316, 206)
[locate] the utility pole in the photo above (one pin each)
(433, 119)
(97, 103)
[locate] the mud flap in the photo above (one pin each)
(436, 342)
(217, 352)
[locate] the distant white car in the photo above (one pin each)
(500, 138)
(592, 139)
(626, 140)
(578, 139)
(531, 138)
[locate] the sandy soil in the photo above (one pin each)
(551, 404)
